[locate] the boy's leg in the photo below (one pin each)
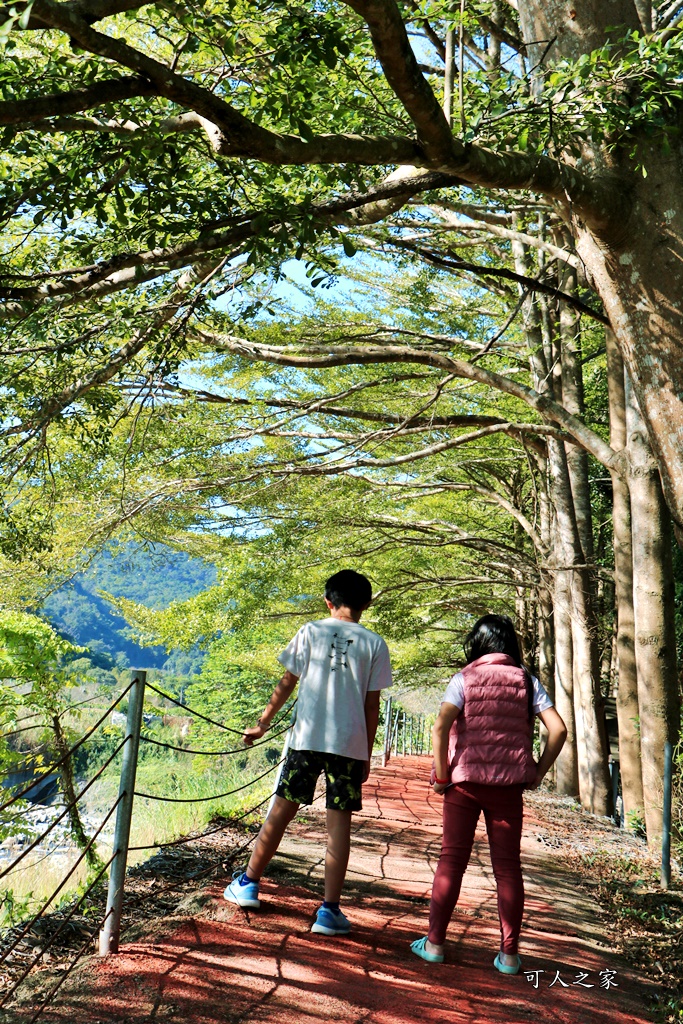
(344, 783)
(296, 786)
(337, 855)
(270, 836)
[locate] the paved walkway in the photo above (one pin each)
(224, 964)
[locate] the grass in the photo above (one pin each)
(161, 772)
(647, 921)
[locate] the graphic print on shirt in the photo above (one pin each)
(339, 648)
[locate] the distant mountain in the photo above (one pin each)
(153, 578)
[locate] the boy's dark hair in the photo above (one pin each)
(349, 588)
(495, 634)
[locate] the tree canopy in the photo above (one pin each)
(159, 158)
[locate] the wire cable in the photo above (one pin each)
(40, 725)
(203, 799)
(68, 754)
(197, 714)
(63, 978)
(6, 952)
(66, 810)
(210, 832)
(205, 718)
(217, 753)
(53, 939)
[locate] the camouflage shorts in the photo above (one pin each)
(343, 775)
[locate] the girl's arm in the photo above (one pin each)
(557, 734)
(440, 733)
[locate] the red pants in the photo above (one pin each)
(503, 812)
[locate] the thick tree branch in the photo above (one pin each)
(604, 201)
(323, 407)
(54, 405)
(89, 10)
(241, 137)
(453, 262)
(395, 54)
(501, 34)
(500, 231)
(123, 271)
(57, 104)
(315, 356)
(433, 36)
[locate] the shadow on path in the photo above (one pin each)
(230, 965)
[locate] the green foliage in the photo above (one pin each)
(31, 652)
(118, 187)
(625, 92)
(157, 577)
(13, 909)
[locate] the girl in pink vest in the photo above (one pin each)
(483, 761)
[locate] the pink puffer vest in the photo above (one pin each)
(490, 741)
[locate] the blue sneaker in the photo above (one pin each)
(328, 923)
(243, 895)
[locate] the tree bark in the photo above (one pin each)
(591, 736)
(573, 401)
(636, 266)
(69, 791)
(627, 691)
(653, 605)
(566, 766)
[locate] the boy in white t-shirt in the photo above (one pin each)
(341, 667)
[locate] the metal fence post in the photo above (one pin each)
(109, 935)
(387, 732)
(666, 817)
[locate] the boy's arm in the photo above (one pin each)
(280, 695)
(371, 722)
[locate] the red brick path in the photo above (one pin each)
(230, 965)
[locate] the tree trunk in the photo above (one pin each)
(566, 766)
(627, 692)
(546, 632)
(539, 339)
(645, 311)
(573, 401)
(69, 791)
(591, 737)
(653, 605)
(633, 254)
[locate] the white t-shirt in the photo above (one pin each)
(455, 694)
(338, 663)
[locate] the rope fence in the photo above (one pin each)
(69, 806)
(215, 753)
(403, 734)
(69, 754)
(36, 714)
(109, 922)
(192, 711)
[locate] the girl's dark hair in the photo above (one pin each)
(495, 634)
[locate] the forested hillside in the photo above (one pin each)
(154, 578)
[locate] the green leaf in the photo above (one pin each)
(349, 247)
